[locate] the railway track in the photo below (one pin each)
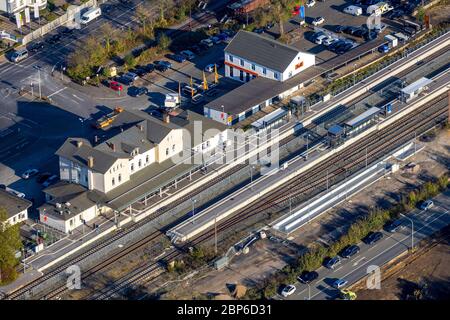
(403, 131)
(28, 288)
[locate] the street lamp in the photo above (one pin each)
(309, 291)
(193, 209)
(412, 230)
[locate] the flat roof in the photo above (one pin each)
(419, 84)
(269, 118)
(362, 117)
(13, 204)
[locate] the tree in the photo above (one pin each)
(281, 11)
(420, 14)
(142, 15)
(107, 31)
(9, 243)
(164, 42)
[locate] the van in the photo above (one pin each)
(90, 15)
(353, 10)
(19, 55)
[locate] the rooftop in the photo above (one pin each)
(12, 203)
(262, 50)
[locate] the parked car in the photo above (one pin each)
(116, 86)
(66, 30)
(131, 75)
(288, 290)
(125, 80)
(320, 39)
(149, 67)
(308, 276)
(137, 91)
(328, 41)
(339, 28)
(163, 63)
(30, 173)
(258, 30)
(140, 71)
(215, 40)
(318, 21)
(210, 67)
(395, 226)
(207, 42)
(428, 204)
(54, 38)
(333, 262)
(161, 67)
(36, 46)
(177, 57)
(43, 176)
(373, 237)
(339, 283)
(211, 92)
(189, 55)
(49, 181)
(19, 55)
(350, 30)
(310, 3)
(350, 251)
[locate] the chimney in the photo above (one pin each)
(79, 143)
(140, 127)
(95, 139)
(113, 146)
(166, 117)
(90, 161)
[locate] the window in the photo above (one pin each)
(242, 62)
(264, 71)
(231, 71)
(146, 159)
(167, 151)
(253, 67)
(275, 75)
(120, 178)
(173, 148)
(132, 167)
(113, 182)
(71, 222)
(230, 57)
(139, 163)
(290, 74)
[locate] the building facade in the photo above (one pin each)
(15, 6)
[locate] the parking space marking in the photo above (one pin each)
(56, 92)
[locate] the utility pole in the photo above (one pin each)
(40, 91)
(215, 233)
(193, 209)
(412, 230)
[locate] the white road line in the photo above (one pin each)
(77, 97)
(395, 244)
(56, 92)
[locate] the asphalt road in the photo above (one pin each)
(390, 246)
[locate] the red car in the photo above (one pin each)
(115, 86)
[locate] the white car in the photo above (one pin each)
(317, 21)
(320, 39)
(427, 205)
(209, 67)
(29, 173)
(339, 283)
(310, 3)
(288, 290)
(328, 41)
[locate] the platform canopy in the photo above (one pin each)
(416, 86)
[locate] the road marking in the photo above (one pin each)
(356, 262)
(395, 244)
(56, 92)
(77, 97)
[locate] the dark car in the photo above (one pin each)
(140, 71)
(350, 251)
(196, 49)
(149, 67)
(177, 58)
(339, 28)
(333, 262)
(137, 91)
(54, 38)
(36, 46)
(351, 30)
(308, 276)
(66, 30)
(161, 67)
(394, 226)
(43, 177)
(125, 80)
(370, 35)
(163, 63)
(258, 30)
(373, 237)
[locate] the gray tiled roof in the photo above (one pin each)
(261, 50)
(78, 203)
(12, 203)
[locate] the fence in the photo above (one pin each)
(62, 20)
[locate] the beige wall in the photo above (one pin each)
(170, 145)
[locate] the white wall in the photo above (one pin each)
(68, 225)
(21, 216)
(142, 157)
(215, 115)
(307, 61)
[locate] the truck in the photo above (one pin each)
(353, 10)
(171, 101)
(379, 8)
(90, 15)
(346, 294)
(392, 42)
(107, 119)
